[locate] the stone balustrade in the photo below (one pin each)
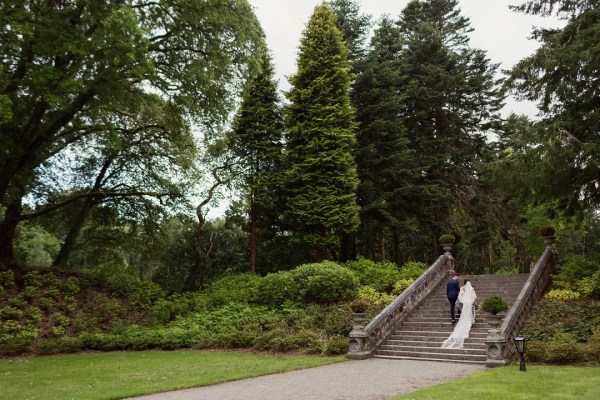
(363, 342)
(498, 347)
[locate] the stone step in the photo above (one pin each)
(435, 349)
(421, 334)
(469, 344)
(454, 356)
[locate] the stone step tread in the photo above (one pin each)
(405, 344)
(427, 359)
(454, 356)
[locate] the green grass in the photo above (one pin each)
(121, 374)
(508, 383)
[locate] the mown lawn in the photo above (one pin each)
(117, 375)
(508, 383)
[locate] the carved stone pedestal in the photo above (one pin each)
(357, 339)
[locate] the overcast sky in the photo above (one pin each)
(499, 31)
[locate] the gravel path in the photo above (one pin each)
(371, 379)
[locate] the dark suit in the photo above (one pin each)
(452, 290)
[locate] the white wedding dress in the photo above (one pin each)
(461, 331)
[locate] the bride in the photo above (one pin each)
(467, 297)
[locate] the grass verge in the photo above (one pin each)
(508, 383)
(116, 375)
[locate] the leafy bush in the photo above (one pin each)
(374, 297)
(401, 286)
(592, 348)
(33, 278)
(60, 345)
(236, 288)
(337, 344)
(562, 295)
(359, 305)
(412, 270)
(590, 287)
(562, 348)
(10, 313)
(7, 279)
(275, 289)
(494, 305)
(575, 267)
(326, 282)
(577, 318)
(380, 276)
(71, 286)
(446, 239)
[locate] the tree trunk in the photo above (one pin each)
(397, 250)
(320, 250)
(8, 227)
(197, 275)
(71, 238)
(253, 234)
(347, 248)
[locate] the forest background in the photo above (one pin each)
(122, 122)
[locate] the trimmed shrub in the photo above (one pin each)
(563, 349)
(401, 286)
(336, 344)
(412, 270)
(60, 345)
(494, 305)
(379, 276)
(7, 279)
(326, 282)
(592, 348)
(275, 289)
(562, 295)
(232, 288)
(374, 297)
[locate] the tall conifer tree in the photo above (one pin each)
(321, 179)
(451, 100)
(257, 144)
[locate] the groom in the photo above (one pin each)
(452, 290)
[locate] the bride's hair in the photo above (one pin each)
(467, 280)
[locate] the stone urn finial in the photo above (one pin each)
(547, 235)
(447, 241)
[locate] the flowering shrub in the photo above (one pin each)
(562, 295)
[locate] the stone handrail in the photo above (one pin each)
(498, 351)
(364, 341)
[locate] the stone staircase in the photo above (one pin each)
(420, 335)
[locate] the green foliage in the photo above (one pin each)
(275, 289)
(494, 305)
(446, 239)
(577, 317)
(412, 270)
(60, 346)
(10, 313)
(337, 344)
(33, 278)
(7, 279)
(379, 276)
(562, 295)
(321, 178)
(372, 296)
(233, 288)
(359, 305)
(559, 349)
(401, 286)
(325, 282)
(35, 246)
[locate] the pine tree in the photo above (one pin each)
(563, 75)
(450, 100)
(321, 178)
(257, 142)
(386, 192)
